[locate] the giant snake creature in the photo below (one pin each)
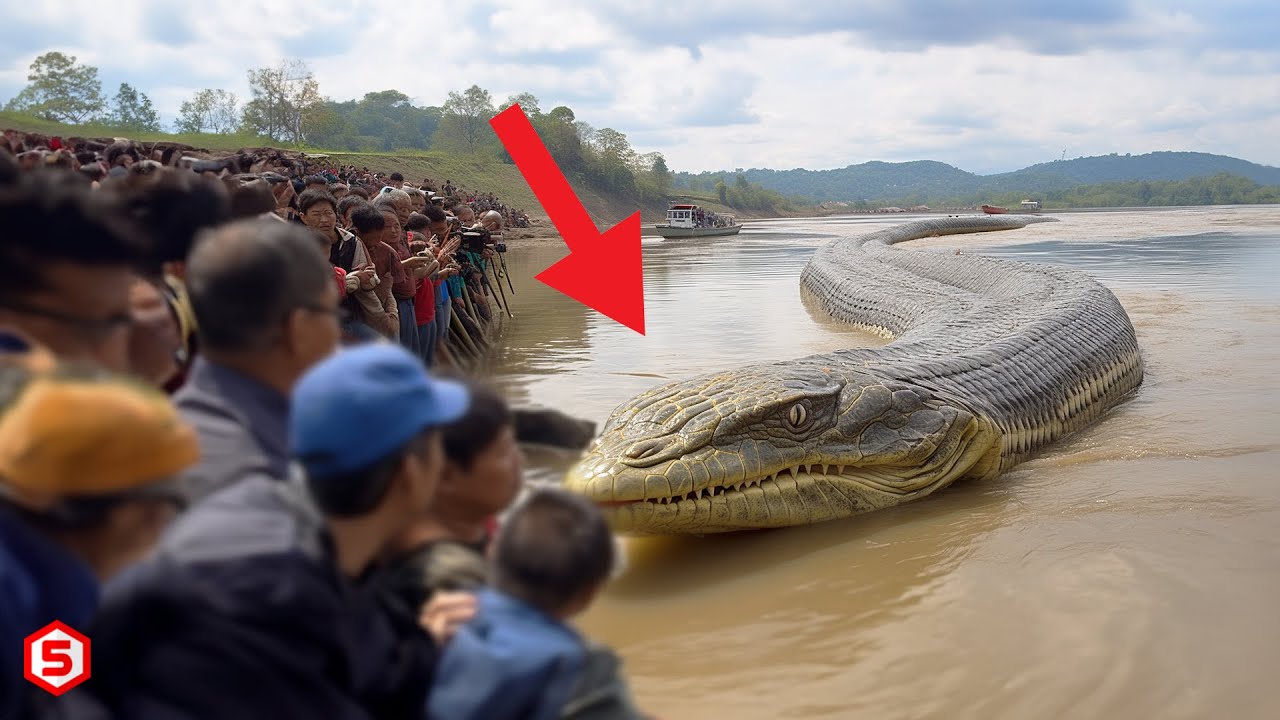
(990, 362)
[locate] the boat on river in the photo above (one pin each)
(686, 220)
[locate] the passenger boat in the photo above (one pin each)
(993, 209)
(685, 220)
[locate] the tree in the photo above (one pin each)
(562, 113)
(658, 171)
(133, 111)
(526, 101)
(722, 192)
(613, 160)
(613, 145)
(60, 90)
(283, 97)
(464, 125)
(208, 111)
(561, 138)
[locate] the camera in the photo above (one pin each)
(500, 247)
(475, 239)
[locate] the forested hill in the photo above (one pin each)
(929, 179)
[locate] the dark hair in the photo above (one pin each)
(358, 191)
(553, 547)
(171, 206)
(366, 218)
(397, 176)
(317, 180)
(10, 170)
(53, 217)
(315, 196)
(359, 492)
(349, 201)
(417, 221)
(246, 277)
(486, 416)
(433, 213)
(250, 195)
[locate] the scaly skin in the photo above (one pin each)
(991, 361)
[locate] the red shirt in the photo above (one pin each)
(424, 303)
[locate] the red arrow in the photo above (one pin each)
(601, 271)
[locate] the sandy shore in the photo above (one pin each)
(1071, 225)
(1122, 224)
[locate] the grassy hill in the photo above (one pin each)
(928, 179)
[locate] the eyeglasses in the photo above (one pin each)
(339, 313)
(92, 328)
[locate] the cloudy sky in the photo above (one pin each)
(718, 84)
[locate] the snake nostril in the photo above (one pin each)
(642, 450)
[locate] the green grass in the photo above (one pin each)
(209, 141)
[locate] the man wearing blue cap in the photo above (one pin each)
(251, 607)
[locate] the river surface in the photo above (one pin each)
(1131, 571)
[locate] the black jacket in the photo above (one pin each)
(243, 614)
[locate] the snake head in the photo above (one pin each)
(773, 446)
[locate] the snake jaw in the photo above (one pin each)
(869, 458)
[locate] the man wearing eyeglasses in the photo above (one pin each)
(267, 310)
(66, 269)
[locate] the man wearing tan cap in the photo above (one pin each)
(86, 466)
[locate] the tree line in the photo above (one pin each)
(1217, 189)
(285, 106)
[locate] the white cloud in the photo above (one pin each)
(723, 84)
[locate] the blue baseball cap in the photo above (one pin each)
(363, 403)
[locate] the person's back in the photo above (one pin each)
(266, 305)
(242, 614)
(251, 608)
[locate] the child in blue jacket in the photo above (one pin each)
(518, 658)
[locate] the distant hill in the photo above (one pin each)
(928, 179)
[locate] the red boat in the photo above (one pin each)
(993, 209)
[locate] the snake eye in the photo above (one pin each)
(797, 416)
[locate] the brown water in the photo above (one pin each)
(1133, 571)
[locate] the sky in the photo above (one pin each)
(721, 84)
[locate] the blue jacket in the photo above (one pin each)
(243, 614)
(511, 662)
(40, 582)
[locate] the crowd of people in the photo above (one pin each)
(225, 457)
(422, 270)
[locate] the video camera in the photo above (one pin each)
(475, 239)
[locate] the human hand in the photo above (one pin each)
(367, 275)
(445, 613)
(426, 268)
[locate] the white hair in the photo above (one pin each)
(389, 195)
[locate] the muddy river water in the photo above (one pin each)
(1132, 571)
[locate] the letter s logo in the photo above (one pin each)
(56, 655)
